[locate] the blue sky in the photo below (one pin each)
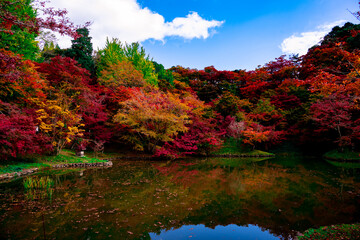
(197, 33)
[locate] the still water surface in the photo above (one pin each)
(200, 199)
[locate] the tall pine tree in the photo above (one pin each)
(81, 50)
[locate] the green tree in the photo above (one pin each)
(136, 54)
(81, 50)
(18, 38)
(49, 51)
(115, 52)
(166, 78)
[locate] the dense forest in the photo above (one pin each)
(52, 98)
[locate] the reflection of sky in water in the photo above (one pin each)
(220, 232)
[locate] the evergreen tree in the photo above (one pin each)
(166, 79)
(81, 50)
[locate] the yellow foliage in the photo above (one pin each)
(153, 116)
(60, 123)
(122, 73)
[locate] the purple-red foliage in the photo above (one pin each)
(18, 133)
(334, 113)
(52, 19)
(285, 101)
(208, 83)
(275, 137)
(204, 135)
(56, 20)
(64, 70)
(66, 73)
(254, 83)
(9, 66)
(94, 116)
(282, 68)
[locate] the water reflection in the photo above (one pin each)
(230, 232)
(144, 200)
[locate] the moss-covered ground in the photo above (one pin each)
(346, 155)
(344, 231)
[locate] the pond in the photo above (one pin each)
(212, 198)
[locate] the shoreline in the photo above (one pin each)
(29, 171)
(25, 172)
(344, 160)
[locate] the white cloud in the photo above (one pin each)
(128, 21)
(191, 26)
(300, 43)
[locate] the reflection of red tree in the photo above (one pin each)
(179, 174)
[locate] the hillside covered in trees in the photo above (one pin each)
(52, 98)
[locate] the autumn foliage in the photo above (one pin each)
(47, 104)
(152, 117)
(19, 133)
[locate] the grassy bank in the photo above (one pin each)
(66, 156)
(233, 148)
(10, 167)
(343, 156)
(345, 231)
